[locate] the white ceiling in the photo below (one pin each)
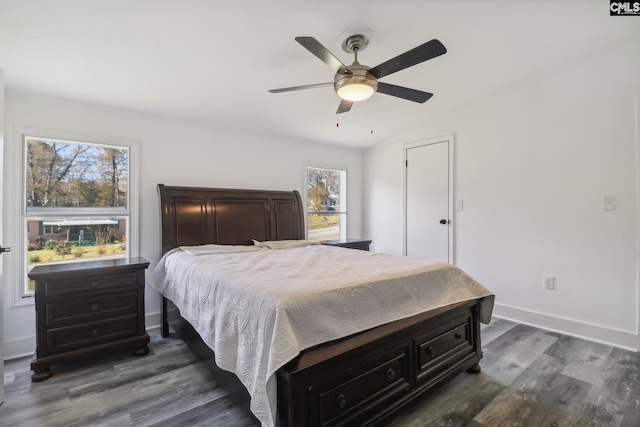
(215, 60)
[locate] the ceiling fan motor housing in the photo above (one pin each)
(359, 75)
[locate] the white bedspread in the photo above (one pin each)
(257, 310)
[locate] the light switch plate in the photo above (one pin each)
(609, 203)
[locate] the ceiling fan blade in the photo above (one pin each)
(291, 89)
(424, 52)
(404, 92)
(344, 106)
(314, 46)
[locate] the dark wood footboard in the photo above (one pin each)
(364, 379)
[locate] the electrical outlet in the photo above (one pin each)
(548, 282)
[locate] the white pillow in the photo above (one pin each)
(284, 244)
(217, 249)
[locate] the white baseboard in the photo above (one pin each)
(153, 322)
(601, 334)
(21, 347)
(26, 346)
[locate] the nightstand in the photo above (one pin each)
(88, 308)
(360, 244)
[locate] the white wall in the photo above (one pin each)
(172, 152)
(533, 165)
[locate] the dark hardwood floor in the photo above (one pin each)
(530, 377)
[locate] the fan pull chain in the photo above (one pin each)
(371, 115)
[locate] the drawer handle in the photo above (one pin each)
(341, 401)
(391, 374)
(94, 332)
(94, 284)
(457, 336)
(430, 351)
(94, 307)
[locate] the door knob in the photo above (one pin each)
(4, 249)
(443, 221)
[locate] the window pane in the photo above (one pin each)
(73, 239)
(325, 226)
(76, 203)
(323, 190)
(63, 174)
(326, 204)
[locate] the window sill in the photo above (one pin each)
(24, 301)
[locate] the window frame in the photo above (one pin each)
(18, 219)
(344, 198)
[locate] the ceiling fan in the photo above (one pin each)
(358, 82)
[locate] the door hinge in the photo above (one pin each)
(406, 163)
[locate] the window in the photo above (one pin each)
(49, 229)
(326, 204)
(76, 202)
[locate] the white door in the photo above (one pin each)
(1, 189)
(428, 191)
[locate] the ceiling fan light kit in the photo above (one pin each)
(358, 82)
(355, 91)
(357, 86)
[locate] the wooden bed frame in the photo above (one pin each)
(360, 380)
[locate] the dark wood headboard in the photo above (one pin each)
(198, 216)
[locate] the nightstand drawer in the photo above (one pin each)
(75, 337)
(88, 284)
(441, 346)
(88, 309)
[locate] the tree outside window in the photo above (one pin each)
(326, 203)
(63, 174)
